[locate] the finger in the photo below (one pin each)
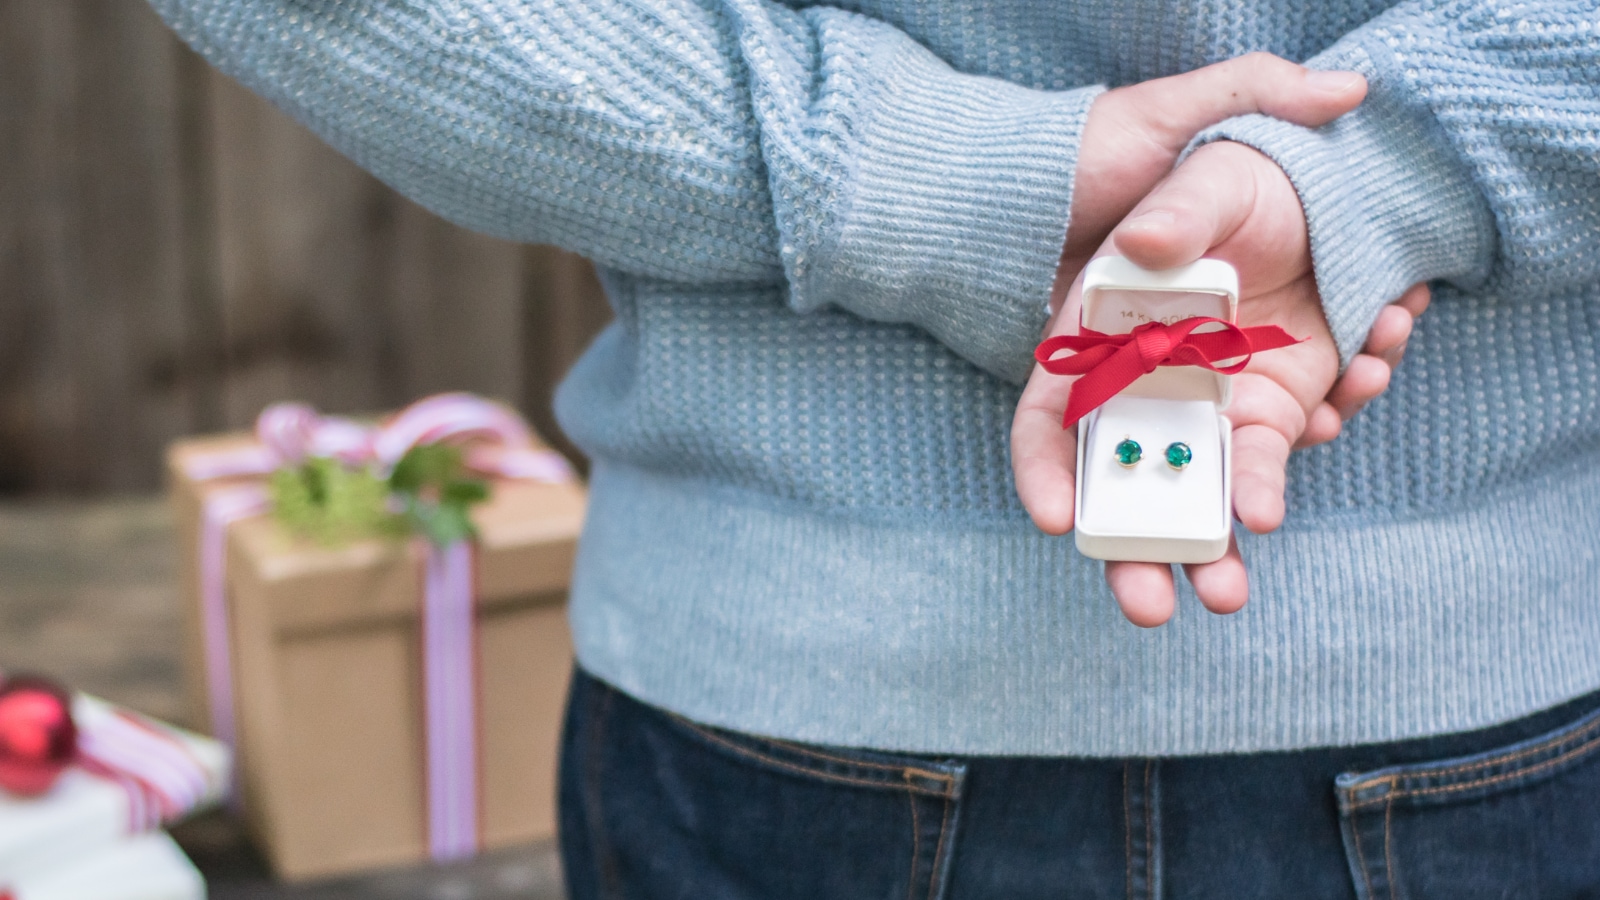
(1415, 300)
(1194, 209)
(1180, 106)
(1044, 455)
(1260, 455)
(1322, 426)
(1222, 586)
(1390, 331)
(1258, 400)
(1143, 590)
(1361, 383)
(1043, 459)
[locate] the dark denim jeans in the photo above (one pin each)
(655, 806)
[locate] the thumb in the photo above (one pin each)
(1195, 209)
(1227, 200)
(1176, 108)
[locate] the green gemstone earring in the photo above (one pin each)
(1129, 453)
(1179, 456)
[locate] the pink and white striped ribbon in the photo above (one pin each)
(162, 778)
(449, 417)
(287, 434)
(250, 460)
(223, 507)
(450, 685)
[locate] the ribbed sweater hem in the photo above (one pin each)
(938, 634)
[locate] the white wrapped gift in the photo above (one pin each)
(133, 776)
(147, 866)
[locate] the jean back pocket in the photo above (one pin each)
(1522, 820)
(654, 805)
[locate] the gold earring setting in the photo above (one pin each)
(1179, 456)
(1128, 453)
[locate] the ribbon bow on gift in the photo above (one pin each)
(1111, 362)
(496, 442)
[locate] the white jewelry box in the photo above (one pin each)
(1150, 512)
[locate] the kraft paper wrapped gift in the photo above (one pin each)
(328, 684)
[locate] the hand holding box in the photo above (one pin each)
(1228, 202)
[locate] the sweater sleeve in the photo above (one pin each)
(1475, 159)
(703, 141)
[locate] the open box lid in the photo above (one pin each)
(1119, 296)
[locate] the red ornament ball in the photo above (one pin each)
(38, 739)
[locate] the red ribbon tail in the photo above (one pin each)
(1102, 383)
(1269, 337)
(1083, 360)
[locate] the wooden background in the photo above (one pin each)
(175, 254)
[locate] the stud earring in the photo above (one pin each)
(1128, 453)
(1179, 456)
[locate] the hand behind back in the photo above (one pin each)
(1229, 202)
(1134, 134)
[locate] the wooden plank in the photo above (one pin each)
(203, 360)
(339, 292)
(89, 260)
(455, 303)
(299, 236)
(16, 289)
(175, 253)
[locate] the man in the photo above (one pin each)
(825, 651)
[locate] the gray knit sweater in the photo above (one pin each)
(828, 233)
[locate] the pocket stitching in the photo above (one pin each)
(1579, 750)
(1361, 858)
(1576, 731)
(916, 845)
(906, 771)
(806, 751)
(1388, 845)
(938, 851)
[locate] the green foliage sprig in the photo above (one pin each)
(436, 493)
(323, 500)
(430, 492)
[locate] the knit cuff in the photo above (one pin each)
(957, 209)
(1387, 201)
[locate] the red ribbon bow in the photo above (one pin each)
(1111, 362)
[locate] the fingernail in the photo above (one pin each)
(1153, 219)
(1332, 82)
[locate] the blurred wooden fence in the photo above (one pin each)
(175, 253)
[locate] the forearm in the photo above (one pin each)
(1472, 161)
(729, 142)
